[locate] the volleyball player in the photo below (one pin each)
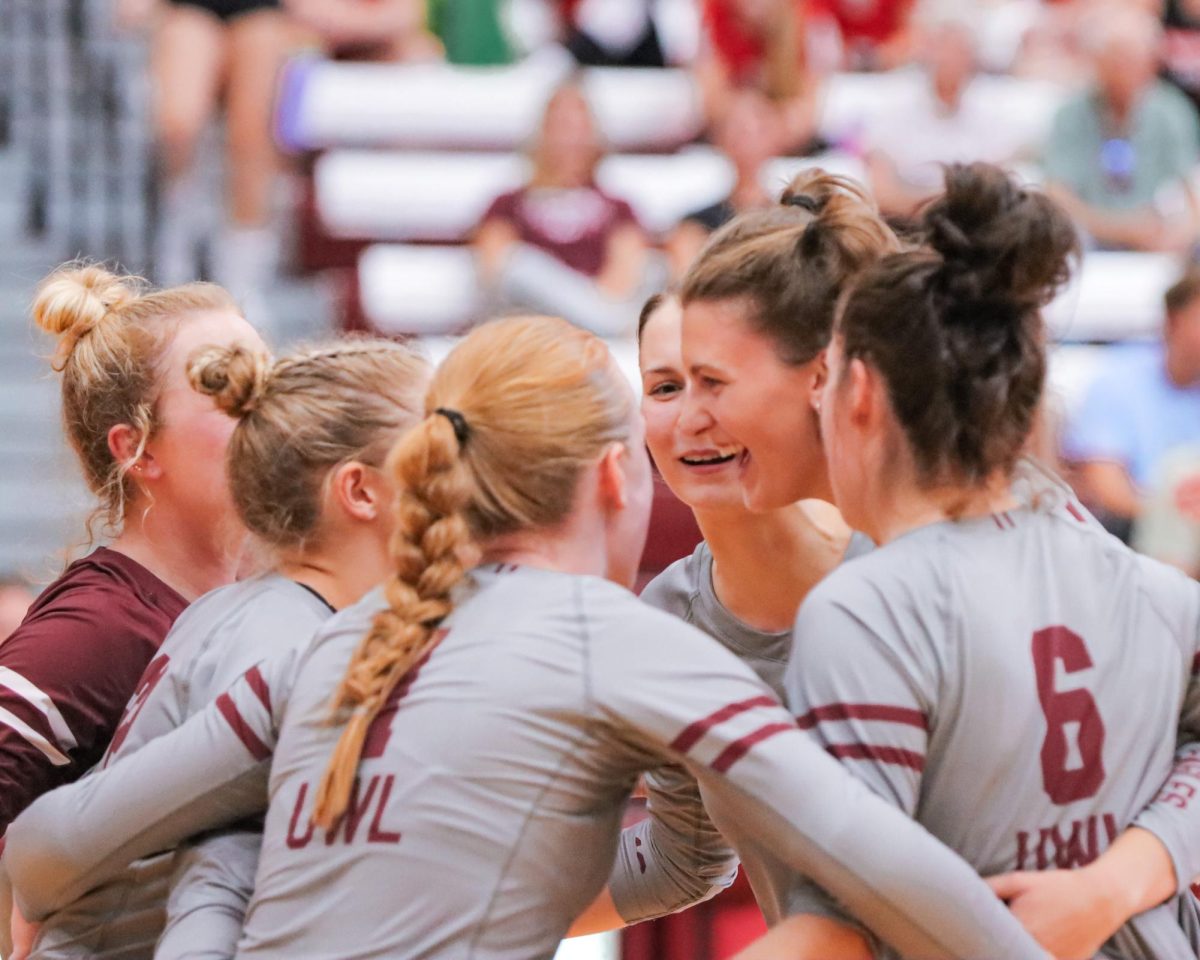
(744, 582)
(496, 714)
(1002, 671)
(304, 464)
(152, 451)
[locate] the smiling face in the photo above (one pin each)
(697, 461)
(756, 403)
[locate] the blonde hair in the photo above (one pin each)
(112, 333)
(513, 416)
(303, 415)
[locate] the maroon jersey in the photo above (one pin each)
(69, 670)
(572, 224)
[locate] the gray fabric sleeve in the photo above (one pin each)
(210, 891)
(673, 859)
(769, 785)
(211, 772)
(841, 680)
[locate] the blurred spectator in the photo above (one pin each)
(1168, 527)
(611, 33)
(1121, 154)
(1143, 405)
(747, 135)
(1181, 46)
(759, 44)
(873, 34)
(205, 52)
(369, 29)
(15, 600)
(939, 120)
(560, 244)
(470, 31)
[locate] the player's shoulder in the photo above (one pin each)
(676, 588)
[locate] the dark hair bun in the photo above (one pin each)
(1001, 244)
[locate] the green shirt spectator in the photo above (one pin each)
(1115, 172)
(471, 31)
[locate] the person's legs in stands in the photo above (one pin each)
(188, 65)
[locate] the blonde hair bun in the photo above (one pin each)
(73, 299)
(236, 377)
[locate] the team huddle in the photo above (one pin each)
(409, 724)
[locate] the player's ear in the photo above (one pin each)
(863, 390)
(820, 378)
(123, 442)
(361, 491)
(613, 482)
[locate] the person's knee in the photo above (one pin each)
(178, 134)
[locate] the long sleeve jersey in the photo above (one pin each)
(488, 801)
(1024, 686)
(212, 644)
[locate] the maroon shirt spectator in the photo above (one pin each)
(67, 672)
(574, 224)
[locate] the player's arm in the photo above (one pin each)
(209, 773)
(673, 859)
(210, 893)
(691, 699)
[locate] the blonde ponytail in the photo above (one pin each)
(514, 415)
(429, 546)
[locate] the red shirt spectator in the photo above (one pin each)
(740, 48)
(573, 224)
(872, 31)
(67, 673)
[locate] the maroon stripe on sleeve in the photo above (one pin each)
(1074, 511)
(867, 751)
(258, 749)
(258, 684)
(863, 711)
(695, 732)
(739, 748)
(1196, 664)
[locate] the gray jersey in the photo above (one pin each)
(211, 645)
(676, 857)
(1023, 685)
(491, 788)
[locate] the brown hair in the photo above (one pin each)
(955, 329)
(302, 416)
(513, 416)
(1183, 291)
(113, 331)
(790, 262)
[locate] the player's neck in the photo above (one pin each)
(189, 563)
(907, 506)
(341, 567)
(764, 564)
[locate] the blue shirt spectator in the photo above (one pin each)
(1134, 414)
(1143, 405)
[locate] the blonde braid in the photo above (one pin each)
(432, 548)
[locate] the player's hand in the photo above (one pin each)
(1066, 911)
(23, 936)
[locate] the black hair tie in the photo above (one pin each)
(804, 201)
(457, 421)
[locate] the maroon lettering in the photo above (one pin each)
(380, 731)
(1022, 849)
(637, 842)
(1064, 785)
(1065, 847)
(377, 834)
(294, 841)
(153, 673)
(356, 809)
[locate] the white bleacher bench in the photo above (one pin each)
(441, 196)
(324, 104)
